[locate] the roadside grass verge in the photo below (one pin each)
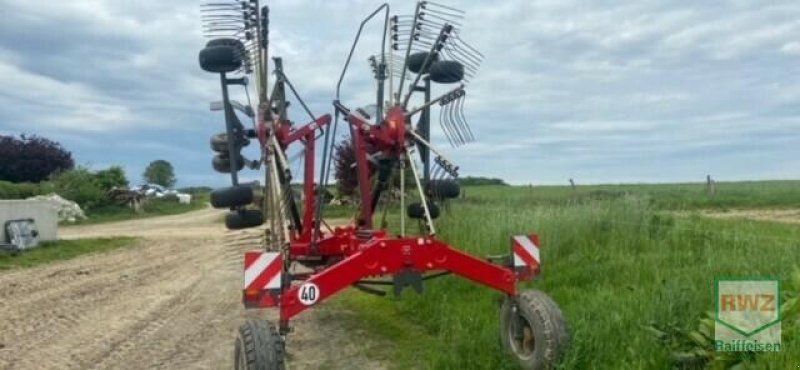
(384, 333)
(153, 208)
(61, 250)
(616, 265)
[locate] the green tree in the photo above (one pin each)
(113, 177)
(81, 186)
(160, 172)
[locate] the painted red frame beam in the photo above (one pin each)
(306, 133)
(385, 257)
(307, 129)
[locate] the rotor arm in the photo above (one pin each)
(307, 129)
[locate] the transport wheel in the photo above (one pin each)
(533, 330)
(416, 211)
(259, 347)
(243, 219)
(222, 164)
(220, 59)
(232, 196)
(219, 143)
(444, 189)
(446, 71)
(416, 60)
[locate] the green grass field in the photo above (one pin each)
(622, 265)
(61, 250)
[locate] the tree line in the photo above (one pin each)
(32, 165)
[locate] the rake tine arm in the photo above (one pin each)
(443, 13)
(443, 19)
(433, 101)
(450, 8)
(424, 142)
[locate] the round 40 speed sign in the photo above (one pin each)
(308, 294)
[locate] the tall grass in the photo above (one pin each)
(687, 196)
(614, 263)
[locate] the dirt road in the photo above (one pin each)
(172, 302)
(791, 216)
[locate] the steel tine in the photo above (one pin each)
(226, 6)
(463, 121)
(456, 135)
(220, 16)
(465, 49)
(445, 20)
(472, 58)
(456, 123)
(453, 129)
(435, 173)
(470, 47)
(436, 26)
(228, 3)
(450, 55)
(444, 127)
(217, 10)
(445, 14)
(450, 8)
(468, 131)
(428, 36)
(448, 122)
(456, 52)
(223, 24)
(442, 173)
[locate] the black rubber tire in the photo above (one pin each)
(548, 328)
(415, 210)
(219, 143)
(443, 189)
(222, 164)
(415, 61)
(244, 219)
(447, 71)
(259, 347)
(225, 41)
(220, 59)
(232, 196)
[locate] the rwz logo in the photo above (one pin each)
(748, 316)
(747, 302)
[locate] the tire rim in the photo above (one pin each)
(520, 336)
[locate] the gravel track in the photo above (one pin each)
(172, 301)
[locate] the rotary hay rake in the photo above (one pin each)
(424, 49)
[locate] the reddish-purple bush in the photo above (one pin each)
(31, 158)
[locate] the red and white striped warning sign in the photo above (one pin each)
(262, 270)
(526, 252)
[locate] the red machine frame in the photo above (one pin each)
(346, 255)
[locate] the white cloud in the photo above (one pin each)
(595, 91)
(57, 104)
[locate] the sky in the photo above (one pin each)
(600, 91)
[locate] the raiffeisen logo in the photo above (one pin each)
(748, 314)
